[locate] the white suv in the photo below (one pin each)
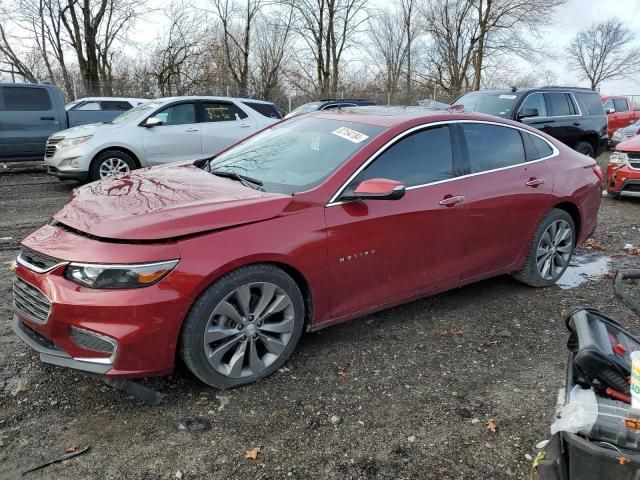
(161, 131)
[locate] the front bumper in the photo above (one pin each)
(59, 164)
(77, 175)
(622, 178)
(143, 324)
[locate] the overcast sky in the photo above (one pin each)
(567, 21)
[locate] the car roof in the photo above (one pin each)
(388, 117)
(521, 90)
(113, 99)
(198, 97)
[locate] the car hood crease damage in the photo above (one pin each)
(176, 201)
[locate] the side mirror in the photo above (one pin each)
(609, 111)
(528, 112)
(152, 122)
(379, 189)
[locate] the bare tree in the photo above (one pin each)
(237, 28)
(501, 24)
(92, 27)
(175, 60)
(388, 45)
(272, 50)
(604, 51)
(329, 27)
(453, 32)
(409, 9)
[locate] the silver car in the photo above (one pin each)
(624, 134)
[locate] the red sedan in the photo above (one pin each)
(226, 261)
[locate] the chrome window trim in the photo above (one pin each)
(33, 268)
(334, 199)
(575, 102)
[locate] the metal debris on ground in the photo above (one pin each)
(75, 451)
(193, 425)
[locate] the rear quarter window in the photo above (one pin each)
(264, 109)
(590, 102)
(17, 99)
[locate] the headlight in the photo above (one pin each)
(72, 142)
(118, 276)
(617, 136)
(618, 158)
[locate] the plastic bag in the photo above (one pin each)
(579, 414)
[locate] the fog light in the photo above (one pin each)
(69, 163)
(93, 341)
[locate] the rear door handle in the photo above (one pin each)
(47, 118)
(192, 130)
(577, 124)
(534, 182)
(451, 200)
(245, 125)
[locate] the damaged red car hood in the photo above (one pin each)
(166, 202)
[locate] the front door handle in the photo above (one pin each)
(47, 118)
(245, 125)
(451, 200)
(577, 124)
(191, 130)
(534, 182)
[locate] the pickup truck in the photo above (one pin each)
(31, 113)
(620, 112)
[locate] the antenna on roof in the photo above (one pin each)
(514, 88)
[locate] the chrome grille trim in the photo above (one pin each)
(49, 263)
(30, 302)
(51, 147)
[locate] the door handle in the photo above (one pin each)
(534, 182)
(47, 118)
(451, 200)
(577, 124)
(245, 125)
(192, 130)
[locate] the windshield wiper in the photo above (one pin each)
(243, 179)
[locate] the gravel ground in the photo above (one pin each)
(419, 384)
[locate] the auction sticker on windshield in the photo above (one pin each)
(351, 135)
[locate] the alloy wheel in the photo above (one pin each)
(113, 166)
(554, 250)
(249, 329)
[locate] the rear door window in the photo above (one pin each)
(17, 99)
(621, 105)
(420, 158)
(221, 112)
(559, 104)
(492, 146)
(535, 101)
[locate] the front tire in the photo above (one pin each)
(110, 163)
(243, 327)
(550, 251)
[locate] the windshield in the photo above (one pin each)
(306, 108)
(499, 104)
(136, 112)
(296, 155)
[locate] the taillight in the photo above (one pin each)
(597, 171)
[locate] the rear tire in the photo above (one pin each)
(244, 327)
(550, 250)
(109, 163)
(585, 149)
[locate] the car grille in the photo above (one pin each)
(52, 146)
(37, 262)
(30, 302)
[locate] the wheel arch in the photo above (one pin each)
(592, 139)
(117, 148)
(573, 210)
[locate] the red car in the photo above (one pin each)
(623, 170)
(620, 113)
(325, 217)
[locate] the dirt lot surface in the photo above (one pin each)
(420, 382)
